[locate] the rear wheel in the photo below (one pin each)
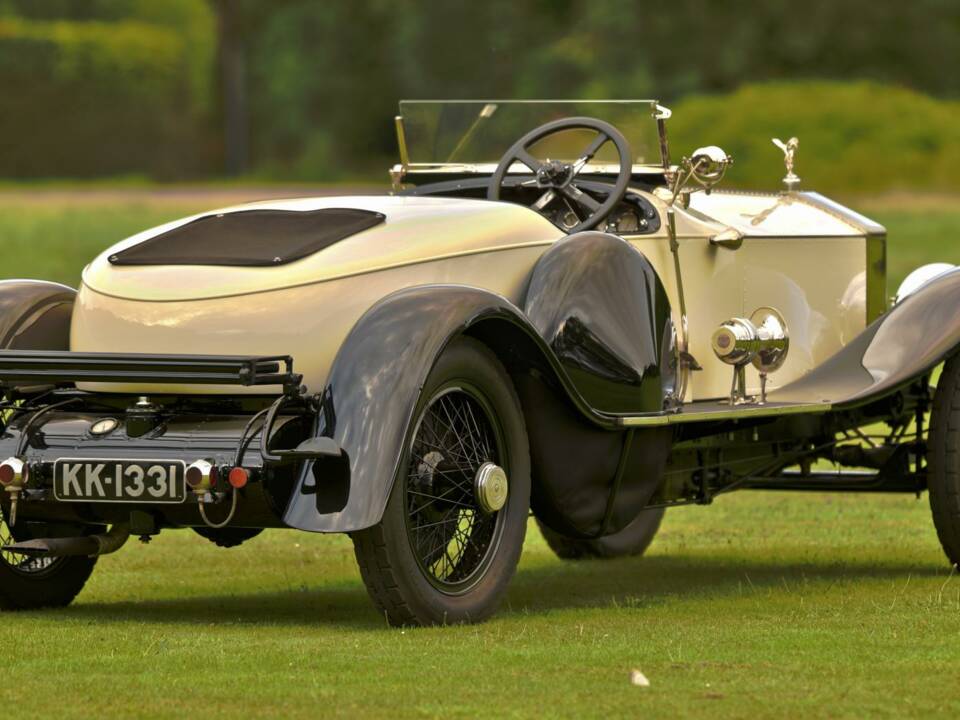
(28, 583)
(634, 539)
(453, 529)
(943, 457)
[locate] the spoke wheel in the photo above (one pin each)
(30, 583)
(24, 564)
(452, 532)
(451, 535)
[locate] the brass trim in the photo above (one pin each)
(402, 140)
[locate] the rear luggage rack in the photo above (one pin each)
(61, 367)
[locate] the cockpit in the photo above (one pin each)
(580, 164)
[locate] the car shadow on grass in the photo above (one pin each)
(346, 607)
(629, 582)
(640, 582)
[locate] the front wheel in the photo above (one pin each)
(943, 458)
(634, 539)
(453, 529)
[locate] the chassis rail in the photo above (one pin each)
(61, 367)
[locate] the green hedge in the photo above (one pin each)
(96, 98)
(854, 137)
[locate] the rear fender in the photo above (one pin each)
(35, 315)
(374, 387)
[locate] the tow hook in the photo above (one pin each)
(13, 476)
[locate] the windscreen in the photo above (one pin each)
(481, 131)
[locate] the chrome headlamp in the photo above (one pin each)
(761, 340)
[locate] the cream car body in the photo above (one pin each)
(307, 308)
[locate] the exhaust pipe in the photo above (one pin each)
(88, 545)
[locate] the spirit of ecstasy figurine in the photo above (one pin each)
(789, 148)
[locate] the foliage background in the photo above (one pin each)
(306, 91)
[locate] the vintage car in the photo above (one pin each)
(547, 314)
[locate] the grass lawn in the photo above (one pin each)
(763, 605)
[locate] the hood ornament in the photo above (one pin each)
(789, 148)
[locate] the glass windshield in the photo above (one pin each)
(480, 131)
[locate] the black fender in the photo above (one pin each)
(35, 315)
(600, 306)
(374, 387)
(899, 347)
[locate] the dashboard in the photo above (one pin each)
(634, 215)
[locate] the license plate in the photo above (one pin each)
(142, 481)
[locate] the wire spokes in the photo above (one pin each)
(21, 563)
(449, 533)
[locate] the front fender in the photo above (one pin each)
(900, 346)
(374, 386)
(599, 304)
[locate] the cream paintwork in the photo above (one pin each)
(417, 228)
(306, 309)
(815, 279)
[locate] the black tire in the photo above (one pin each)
(32, 583)
(943, 459)
(634, 539)
(227, 537)
(414, 586)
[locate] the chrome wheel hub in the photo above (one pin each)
(491, 487)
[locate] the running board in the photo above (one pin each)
(721, 411)
(838, 482)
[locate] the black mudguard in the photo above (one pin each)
(900, 346)
(599, 304)
(35, 315)
(373, 390)
(570, 353)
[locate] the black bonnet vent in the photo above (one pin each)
(250, 238)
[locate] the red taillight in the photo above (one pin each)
(238, 477)
(13, 473)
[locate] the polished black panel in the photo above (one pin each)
(35, 315)
(906, 342)
(600, 306)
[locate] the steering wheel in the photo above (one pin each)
(557, 179)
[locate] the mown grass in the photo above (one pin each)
(763, 605)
